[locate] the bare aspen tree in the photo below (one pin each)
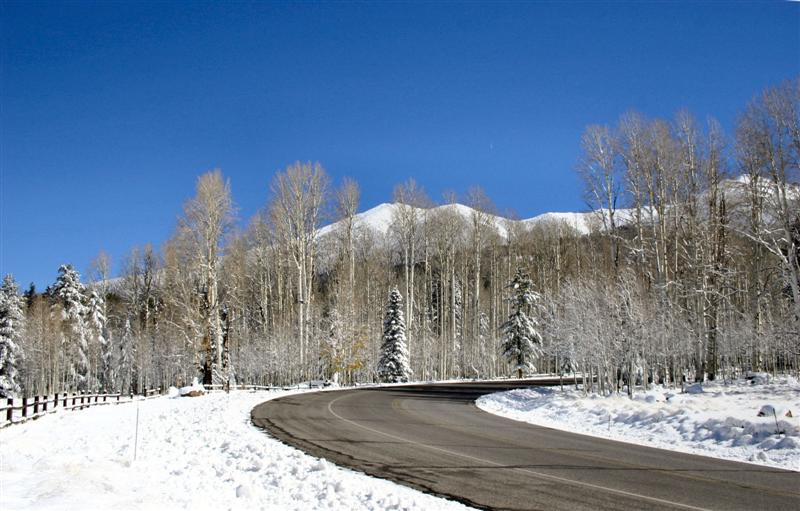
(482, 225)
(347, 199)
(658, 182)
(207, 217)
(598, 167)
(768, 139)
(685, 185)
(298, 195)
(636, 157)
(715, 239)
(410, 203)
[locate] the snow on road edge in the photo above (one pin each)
(714, 419)
(199, 453)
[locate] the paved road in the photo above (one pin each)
(434, 438)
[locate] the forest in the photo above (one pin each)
(688, 269)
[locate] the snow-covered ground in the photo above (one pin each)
(713, 419)
(193, 453)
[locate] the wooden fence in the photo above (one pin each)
(218, 387)
(17, 411)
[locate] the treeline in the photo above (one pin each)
(688, 274)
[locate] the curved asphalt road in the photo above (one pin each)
(434, 438)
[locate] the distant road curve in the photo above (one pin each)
(433, 438)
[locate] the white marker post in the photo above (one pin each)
(136, 434)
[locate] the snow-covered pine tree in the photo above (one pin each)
(486, 350)
(393, 365)
(12, 324)
(521, 342)
(124, 369)
(458, 322)
(68, 293)
(333, 345)
(96, 331)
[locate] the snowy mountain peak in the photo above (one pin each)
(379, 219)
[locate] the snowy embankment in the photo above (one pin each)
(733, 421)
(192, 453)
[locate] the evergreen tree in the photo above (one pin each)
(521, 341)
(68, 293)
(485, 348)
(30, 295)
(333, 347)
(125, 360)
(393, 365)
(458, 322)
(96, 330)
(12, 324)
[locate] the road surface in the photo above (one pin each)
(433, 438)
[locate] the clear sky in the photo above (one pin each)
(109, 110)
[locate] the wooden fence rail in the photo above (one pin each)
(16, 411)
(219, 387)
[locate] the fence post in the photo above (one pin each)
(44, 405)
(104, 397)
(74, 398)
(55, 400)
(24, 407)
(10, 410)
(65, 398)
(118, 395)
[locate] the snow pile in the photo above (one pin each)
(733, 421)
(200, 453)
(194, 390)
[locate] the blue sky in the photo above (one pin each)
(109, 110)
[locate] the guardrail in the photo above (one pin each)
(30, 408)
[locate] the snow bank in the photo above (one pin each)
(201, 453)
(733, 421)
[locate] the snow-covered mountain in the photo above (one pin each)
(379, 219)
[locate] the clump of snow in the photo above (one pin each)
(173, 392)
(733, 421)
(200, 453)
(758, 378)
(774, 411)
(195, 389)
(695, 388)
